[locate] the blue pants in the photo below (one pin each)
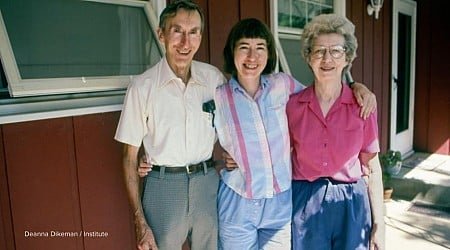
(330, 216)
(254, 223)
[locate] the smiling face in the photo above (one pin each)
(328, 68)
(181, 37)
(250, 58)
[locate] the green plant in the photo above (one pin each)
(390, 158)
(391, 163)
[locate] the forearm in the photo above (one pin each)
(131, 179)
(144, 235)
(375, 189)
(361, 92)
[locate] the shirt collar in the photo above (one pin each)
(345, 98)
(264, 82)
(234, 84)
(167, 75)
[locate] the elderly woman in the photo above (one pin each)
(334, 205)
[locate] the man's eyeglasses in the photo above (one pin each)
(336, 51)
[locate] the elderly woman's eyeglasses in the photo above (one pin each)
(336, 51)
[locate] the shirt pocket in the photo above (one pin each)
(207, 119)
(349, 139)
(276, 116)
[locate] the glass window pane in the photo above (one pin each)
(291, 13)
(298, 66)
(78, 38)
(325, 2)
(284, 16)
(3, 86)
(403, 66)
(296, 13)
(299, 14)
(317, 9)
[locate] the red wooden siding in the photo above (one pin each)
(422, 98)
(203, 51)
(42, 178)
(256, 9)
(372, 64)
(432, 99)
(222, 15)
(64, 175)
(103, 201)
(6, 228)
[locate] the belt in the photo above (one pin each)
(188, 169)
(335, 182)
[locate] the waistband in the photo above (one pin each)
(333, 181)
(188, 169)
(327, 180)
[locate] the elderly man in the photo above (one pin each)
(166, 111)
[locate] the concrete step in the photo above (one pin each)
(425, 180)
(418, 216)
(422, 190)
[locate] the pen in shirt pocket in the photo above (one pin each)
(209, 107)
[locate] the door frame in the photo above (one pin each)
(402, 141)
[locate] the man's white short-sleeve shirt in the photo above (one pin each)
(166, 115)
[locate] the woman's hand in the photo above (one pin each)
(144, 167)
(230, 164)
(377, 237)
(365, 98)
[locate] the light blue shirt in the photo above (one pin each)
(254, 131)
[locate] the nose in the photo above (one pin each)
(252, 54)
(327, 55)
(184, 41)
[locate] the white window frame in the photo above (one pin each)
(292, 33)
(76, 101)
(158, 6)
(19, 87)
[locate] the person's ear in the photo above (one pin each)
(308, 61)
(160, 33)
